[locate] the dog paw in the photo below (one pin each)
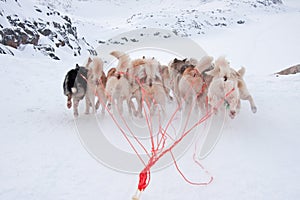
(97, 105)
(69, 104)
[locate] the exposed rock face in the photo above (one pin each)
(59, 33)
(269, 2)
(291, 70)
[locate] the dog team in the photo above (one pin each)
(190, 83)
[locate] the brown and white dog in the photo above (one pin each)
(96, 81)
(177, 68)
(229, 85)
(154, 96)
(120, 81)
(192, 88)
(166, 80)
(153, 90)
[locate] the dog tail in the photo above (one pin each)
(117, 54)
(204, 63)
(222, 62)
(123, 60)
(138, 62)
(242, 71)
(98, 66)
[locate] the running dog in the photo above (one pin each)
(96, 81)
(154, 96)
(124, 81)
(191, 88)
(229, 85)
(166, 80)
(75, 87)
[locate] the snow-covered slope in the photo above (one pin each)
(39, 28)
(77, 27)
(41, 156)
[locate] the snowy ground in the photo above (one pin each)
(41, 156)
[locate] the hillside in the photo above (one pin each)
(78, 27)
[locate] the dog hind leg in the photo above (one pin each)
(75, 106)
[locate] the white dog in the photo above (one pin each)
(191, 88)
(94, 84)
(166, 80)
(154, 96)
(119, 86)
(229, 85)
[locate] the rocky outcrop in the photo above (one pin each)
(291, 70)
(59, 33)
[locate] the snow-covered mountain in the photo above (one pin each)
(41, 28)
(75, 27)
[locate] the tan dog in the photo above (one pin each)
(229, 84)
(115, 91)
(166, 81)
(191, 88)
(154, 96)
(120, 81)
(151, 68)
(100, 93)
(94, 83)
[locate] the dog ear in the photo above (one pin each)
(175, 60)
(242, 71)
(184, 60)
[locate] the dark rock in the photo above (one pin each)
(29, 32)
(35, 40)
(52, 55)
(67, 18)
(134, 40)
(291, 70)
(60, 43)
(45, 32)
(56, 25)
(44, 48)
(21, 25)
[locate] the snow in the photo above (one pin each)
(41, 156)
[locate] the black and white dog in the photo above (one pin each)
(75, 86)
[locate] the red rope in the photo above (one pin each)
(159, 151)
(144, 182)
(186, 179)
